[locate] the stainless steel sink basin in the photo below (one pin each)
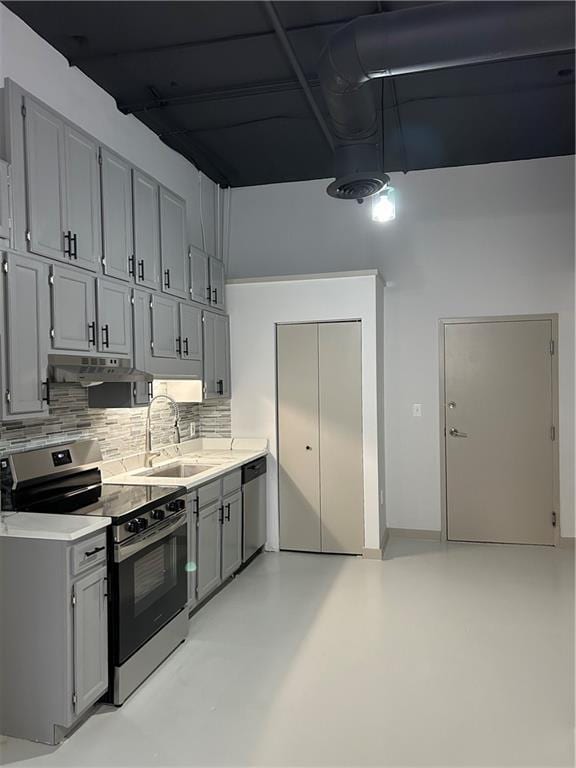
(179, 470)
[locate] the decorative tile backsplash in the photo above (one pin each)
(120, 431)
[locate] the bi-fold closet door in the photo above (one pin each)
(319, 375)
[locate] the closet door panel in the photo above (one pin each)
(299, 478)
(340, 402)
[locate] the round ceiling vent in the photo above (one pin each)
(357, 186)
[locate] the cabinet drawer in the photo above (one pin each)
(88, 553)
(208, 493)
(232, 482)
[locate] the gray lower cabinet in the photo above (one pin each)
(217, 284)
(82, 187)
(146, 230)
(73, 309)
(173, 248)
(216, 356)
(4, 203)
(199, 276)
(117, 223)
(24, 327)
(209, 549)
(231, 534)
(45, 180)
(114, 330)
(54, 656)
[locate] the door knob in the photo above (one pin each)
(453, 432)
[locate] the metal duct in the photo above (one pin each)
(435, 36)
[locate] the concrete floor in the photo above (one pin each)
(442, 655)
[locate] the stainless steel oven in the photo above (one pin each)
(149, 584)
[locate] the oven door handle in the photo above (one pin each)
(124, 551)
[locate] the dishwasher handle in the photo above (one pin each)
(253, 470)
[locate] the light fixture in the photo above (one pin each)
(384, 205)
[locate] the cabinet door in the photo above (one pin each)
(73, 309)
(90, 632)
(217, 283)
(27, 319)
(4, 205)
(117, 222)
(199, 276)
(82, 198)
(209, 348)
(173, 239)
(165, 327)
(114, 317)
(209, 549)
(191, 332)
(191, 566)
(146, 230)
(45, 180)
(232, 535)
(222, 355)
(142, 327)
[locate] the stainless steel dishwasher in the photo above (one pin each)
(254, 493)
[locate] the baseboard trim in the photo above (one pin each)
(414, 533)
(372, 554)
(568, 542)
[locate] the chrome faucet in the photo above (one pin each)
(174, 404)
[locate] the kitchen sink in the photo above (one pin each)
(178, 470)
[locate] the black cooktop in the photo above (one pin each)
(85, 495)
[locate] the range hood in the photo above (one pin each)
(91, 369)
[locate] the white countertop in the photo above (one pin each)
(36, 525)
(221, 460)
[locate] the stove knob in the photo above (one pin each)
(158, 514)
(136, 525)
(175, 506)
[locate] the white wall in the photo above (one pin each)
(484, 240)
(32, 63)
(254, 309)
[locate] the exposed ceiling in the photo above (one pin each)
(212, 80)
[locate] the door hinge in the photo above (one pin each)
(152, 345)
(132, 300)
(23, 110)
(52, 333)
(74, 700)
(73, 597)
(5, 266)
(552, 433)
(552, 346)
(554, 519)
(51, 278)
(8, 396)
(189, 253)
(99, 157)
(28, 235)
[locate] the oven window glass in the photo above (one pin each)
(154, 575)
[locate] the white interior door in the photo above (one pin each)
(298, 437)
(499, 431)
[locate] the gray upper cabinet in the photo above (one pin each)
(231, 534)
(4, 202)
(82, 187)
(216, 356)
(142, 327)
(173, 248)
(114, 329)
(166, 338)
(90, 639)
(45, 181)
(209, 549)
(191, 332)
(146, 230)
(117, 217)
(73, 309)
(217, 284)
(26, 323)
(199, 276)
